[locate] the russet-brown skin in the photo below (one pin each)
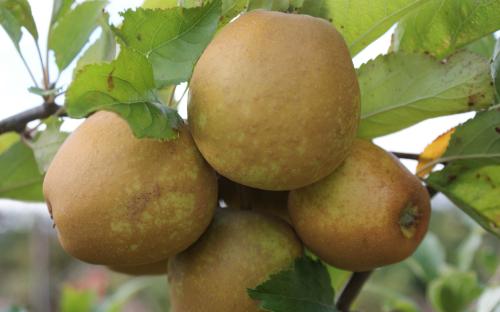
(354, 219)
(267, 202)
(155, 268)
(274, 100)
(118, 200)
(239, 250)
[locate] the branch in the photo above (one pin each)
(19, 121)
(351, 290)
(406, 155)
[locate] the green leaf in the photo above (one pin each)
(361, 22)
(126, 87)
(467, 250)
(495, 68)
(102, 50)
(7, 140)
(305, 287)
(19, 175)
(443, 26)
(60, 8)
(231, 9)
(428, 261)
(77, 24)
(399, 89)
(75, 300)
(15, 14)
(275, 5)
(43, 92)
(454, 292)
(392, 300)
(115, 302)
(475, 190)
(484, 46)
(159, 4)
(477, 141)
(47, 143)
(180, 36)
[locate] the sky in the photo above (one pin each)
(14, 81)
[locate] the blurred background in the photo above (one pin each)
(36, 274)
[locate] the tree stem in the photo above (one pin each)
(405, 155)
(18, 122)
(351, 290)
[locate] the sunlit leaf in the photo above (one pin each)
(126, 87)
(399, 89)
(432, 152)
(443, 26)
(180, 36)
(76, 300)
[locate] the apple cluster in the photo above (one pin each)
(267, 164)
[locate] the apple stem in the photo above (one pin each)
(352, 290)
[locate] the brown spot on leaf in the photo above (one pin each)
(497, 129)
(451, 177)
(139, 37)
(110, 81)
(473, 99)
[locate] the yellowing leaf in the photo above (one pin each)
(432, 152)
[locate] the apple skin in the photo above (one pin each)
(155, 268)
(370, 212)
(118, 200)
(239, 250)
(274, 100)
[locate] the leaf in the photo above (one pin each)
(432, 152)
(275, 5)
(454, 292)
(475, 190)
(102, 50)
(115, 302)
(47, 143)
(7, 140)
(43, 92)
(495, 68)
(19, 175)
(305, 287)
(126, 87)
(443, 26)
(489, 300)
(75, 300)
(159, 4)
(60, 8)
(392, 300)
(429, 260)
(77, 24)
(399, 89)
(15, 14)
(361, 22)
(231, 9)
(477, 141)
(172, 39)
(467, 250)
(483, 46)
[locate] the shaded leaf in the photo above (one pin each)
(477, 141)
(75, 300)
(275, 5)
(467, 250)
(392, 300)
(19, 175)
(47, 143)
(180, 36)
(432, 152)
(429, 260)
(77, 24)
(443, 26)
(475, 190)
(399, 89)
(454, 292)
(43, 92)
(305, 287)
(126, 87)
(484, 46)
(15, 14)
(102, 50)
(495, 68)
